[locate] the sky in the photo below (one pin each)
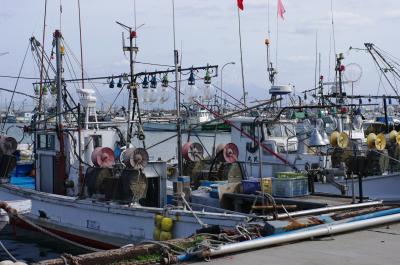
(206, 33)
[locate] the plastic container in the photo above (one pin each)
(289, 187)
(208, 183)
(290, 175)
(214, 191)
(251, 186)
(267, 185)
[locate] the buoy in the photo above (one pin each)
(165, 236)
(167, 224)
(156, 234)
(393, 135)
(157, 220)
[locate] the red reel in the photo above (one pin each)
(192, 151)
(103, 157)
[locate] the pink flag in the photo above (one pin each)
(281, 9)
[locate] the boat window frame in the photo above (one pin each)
(46, 141)
(249, 128)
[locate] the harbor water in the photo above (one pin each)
(33, 246)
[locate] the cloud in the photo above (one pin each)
(123, 62)
(392, 14)
(4, 16)
(349, 19)
(298, 59)
(343, 20)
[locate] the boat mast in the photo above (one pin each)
(177, 95)
(57, 37)
(132, 87)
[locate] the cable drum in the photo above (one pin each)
(136, 158)
(192, 151)
(103, 157)
(229, 151)
(8, 145)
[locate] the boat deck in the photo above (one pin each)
(242, 202)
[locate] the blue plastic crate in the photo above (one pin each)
(251, 186)
(289, 187)
(208, 183)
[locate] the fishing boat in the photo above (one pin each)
(91, 185)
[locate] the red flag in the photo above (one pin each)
(281, 9)
(240, 4)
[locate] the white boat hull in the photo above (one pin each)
(21, 206)
(105, 225)
(386, 187)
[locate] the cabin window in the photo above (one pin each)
(248, 128)
(46, 141)
(274, 130)
(50, 145)
(271, 146)
(289, 130)
(41, 141)
(97, 141)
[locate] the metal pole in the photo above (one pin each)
(80, 38)
(386, 115)
(81, 176)
(260, 160)
(130, 89)
(293, 236)
(221, 85)
(322, 230)
(177, 96)
(329, 209)
(57, 36)
(241, 60)
(360, 188)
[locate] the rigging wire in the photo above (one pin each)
(7, 252)
(85, 73)
(268, 18)
(333, 27)
(332, 40)
(42, 58)
(329, 58)
(15, 87)
(80, 42)
(20, 93)
(277, 39)
(60, 14)
(21, 77)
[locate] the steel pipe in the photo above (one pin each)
(304, 234)
(356, 223)
(329, 209)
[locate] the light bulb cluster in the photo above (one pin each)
(152, 94)
(192, 92)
